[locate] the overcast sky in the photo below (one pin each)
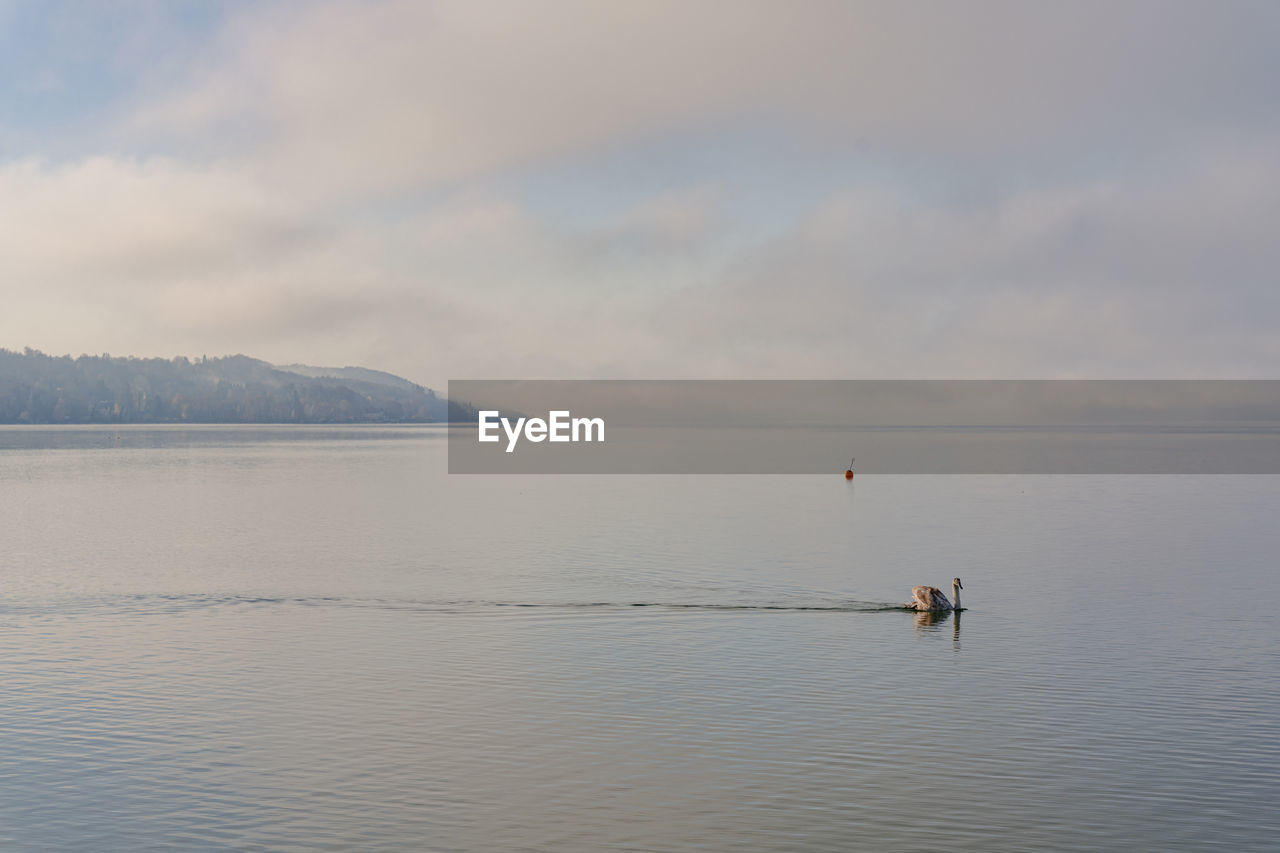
(647, 190)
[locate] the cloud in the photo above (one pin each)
(138, 252)
(368, 97)
(995, 191)
(1166, 272)
(1161, 274)
(108, 219)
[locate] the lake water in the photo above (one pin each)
(282, 638)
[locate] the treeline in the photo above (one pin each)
(40, 389)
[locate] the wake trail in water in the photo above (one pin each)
(841, 607)
(179, 603)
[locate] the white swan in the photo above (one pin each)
(931, 598)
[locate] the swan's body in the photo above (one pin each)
(932, 598)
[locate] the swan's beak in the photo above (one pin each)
(959, 584)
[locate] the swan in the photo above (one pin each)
(931, 598)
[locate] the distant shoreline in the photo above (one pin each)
(39, 390)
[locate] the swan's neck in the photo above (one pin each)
(955, 593)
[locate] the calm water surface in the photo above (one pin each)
(317, 639)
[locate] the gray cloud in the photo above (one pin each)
(1163, 274)
(1167, 273)
(1123, 190)
(357, 96)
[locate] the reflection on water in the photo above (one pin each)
(935, 620)
(929, 619)
(320, 643)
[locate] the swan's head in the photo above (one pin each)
(956, 583)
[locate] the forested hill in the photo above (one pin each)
(39, 389)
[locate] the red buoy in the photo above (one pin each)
(848, 475)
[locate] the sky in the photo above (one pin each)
(756, 190)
